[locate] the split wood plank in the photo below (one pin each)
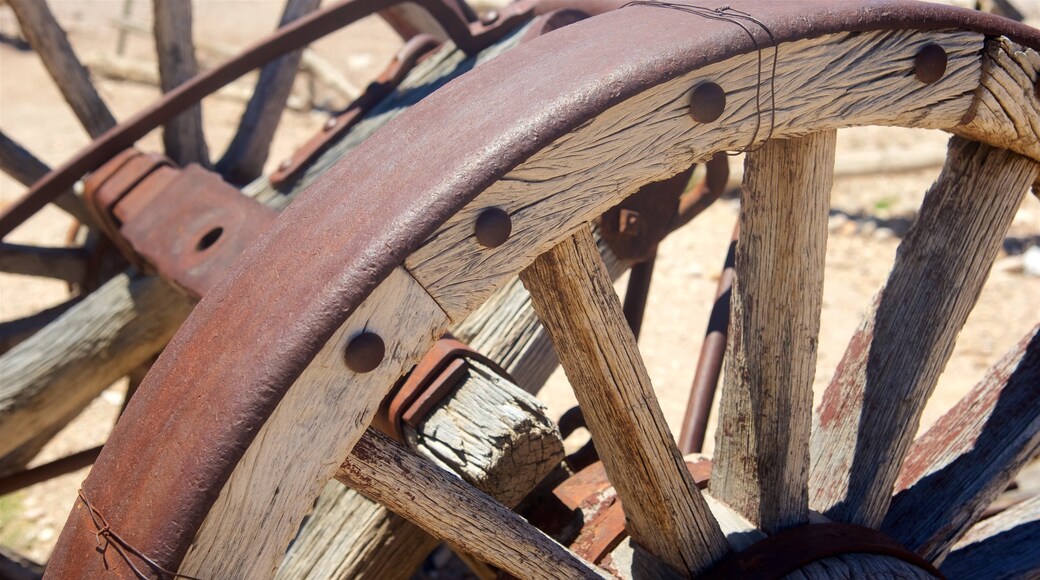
(315, 425)
(245, 156)
(962, 463)
(489, 432)
(870, 411)
(26, 169)
(68, 363)
(14, 331)
(49, 41)
(651, 136)
(183, 136)
(572, 293)
(453, 511)
(762, 440)
(1001, 547)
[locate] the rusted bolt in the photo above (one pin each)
(707, 102)
(930, 63)
(493, 227)
(364, 352)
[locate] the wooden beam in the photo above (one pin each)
(572, 293)
(488, 431)
(870, 412)
(183, 136)
(962, 463)
(49, 41)
(762, 440)
(244, 159)
(1003, 546)
(64, 366)
(26, 169)
(453, 511)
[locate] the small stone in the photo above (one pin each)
(884, 234)
(836, 222)
(867, 227)
(1031, 262)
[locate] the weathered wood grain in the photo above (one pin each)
(572, 293)
(762, 440)
(245, 156)
(26, 169)
(14, 331)
(491, 433)
(963, 462)
(313, 428)
(1001, 547)
(870, 412)
(858, 79)
(49, 41)
(859, 566)
(182, 136)
(1007, 98)
(68, 363)
(455, 512)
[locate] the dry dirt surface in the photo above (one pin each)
(870, 214)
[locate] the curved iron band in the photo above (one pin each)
(207, 396)
(795, 548)
(469, 37)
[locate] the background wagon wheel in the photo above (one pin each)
(614, 137)
(137, 339)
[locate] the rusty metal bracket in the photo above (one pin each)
(187, 225)
(429, 382)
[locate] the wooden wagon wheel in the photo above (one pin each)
(250, 430)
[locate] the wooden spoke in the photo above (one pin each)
(68, 264)
(956, 469)
(26, 169)
(244, 159)
(49, 41)
(871, 409)
(437, 501)
(183, 136)
(59, 370)
(14, 331)
(762, 461)
(1003, 546)
(572, 294)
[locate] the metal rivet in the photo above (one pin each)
(331, 123)
(930, 63)
(286, 164)
(493, 227)
(364, 352)
(707, 102)
(489, 17)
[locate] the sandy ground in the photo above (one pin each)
(869, 216)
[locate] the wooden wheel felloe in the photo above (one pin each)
(613, 116)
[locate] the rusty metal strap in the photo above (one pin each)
(470, 37)
(797, 547)
(433, 379)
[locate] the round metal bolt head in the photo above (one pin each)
(707, 102)
(285, 164)
(489, 17)
(930, 63)
(364, 352)
(493, 227)
(331, 123)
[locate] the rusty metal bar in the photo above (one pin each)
(23, 479)
(709, 366)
